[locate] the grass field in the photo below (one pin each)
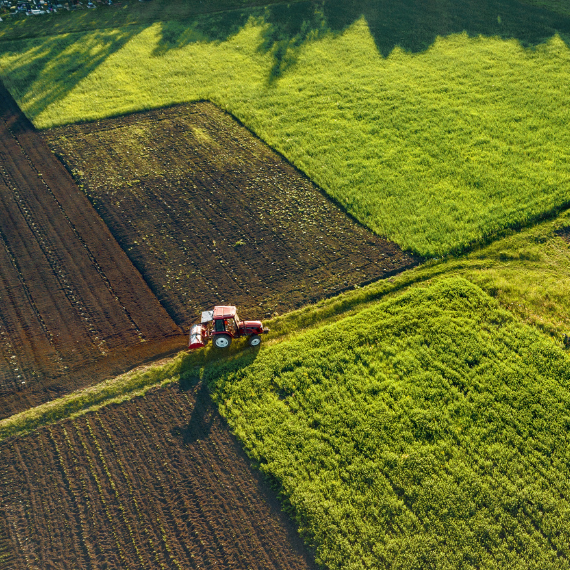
(428, 431)
(414, 418)
(124, 13)
(560, 6)
(437, 131)
(421, 421)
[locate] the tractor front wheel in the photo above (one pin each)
(222, 341)
(254, 340)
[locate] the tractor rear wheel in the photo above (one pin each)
(254, 340)
(222, 340)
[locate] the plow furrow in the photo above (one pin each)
(156, 482)
(73, 308)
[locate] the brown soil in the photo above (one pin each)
(156, 482)
(73, 309)
(209, 214)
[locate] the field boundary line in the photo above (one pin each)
(114, 390)
(466, 248)
(188, 367)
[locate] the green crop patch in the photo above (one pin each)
(437, 125)
(427, 431)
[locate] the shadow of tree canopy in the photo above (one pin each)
(64, 53)
(413, 25)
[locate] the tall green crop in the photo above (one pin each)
(428, 431)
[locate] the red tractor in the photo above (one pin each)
(222, 325)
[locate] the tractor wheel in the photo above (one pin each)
(222, 341)
(254, 340)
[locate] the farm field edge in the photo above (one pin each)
(248, 407)
(527, 273)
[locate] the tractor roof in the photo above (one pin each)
(224, 312)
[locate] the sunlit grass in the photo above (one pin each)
(437, 149)
(528, 273)
(405, 416)
(427, 431)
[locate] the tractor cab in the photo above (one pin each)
(226, 321)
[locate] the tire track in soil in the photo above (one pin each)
(6, 556)
(209, 214)
(155, 482)
(73, 308)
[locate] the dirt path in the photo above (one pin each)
(156, 482)
(73, 309)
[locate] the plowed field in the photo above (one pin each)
(156, 482)
(209, 214)
(73, 309)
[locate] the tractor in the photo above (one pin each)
(222, 324)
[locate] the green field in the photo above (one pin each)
(412, 423)
(528, 273)
(428, 431)
(560, 6)
(437, 125)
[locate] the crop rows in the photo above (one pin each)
(73, 309)
(156, 482)
(211, 215)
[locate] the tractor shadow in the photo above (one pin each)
(201, 419)
(204, 411)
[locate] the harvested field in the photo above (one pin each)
(209, 214)
(73, 309)
(156, 482)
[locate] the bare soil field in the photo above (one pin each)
(73, 309)
(209, 214)
(155, 482)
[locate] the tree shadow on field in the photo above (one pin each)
(45, 69)
(413, 25)
(55, 65)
